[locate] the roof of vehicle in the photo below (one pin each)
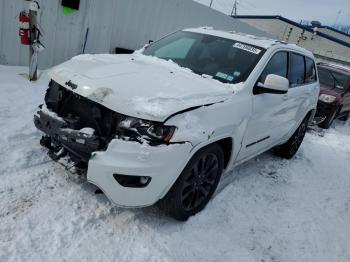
(336, 68)
(249, 39)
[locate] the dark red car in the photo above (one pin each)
(334, 99)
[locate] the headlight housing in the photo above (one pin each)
(135, 128)
(327, 98)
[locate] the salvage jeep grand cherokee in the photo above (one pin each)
(162, 125)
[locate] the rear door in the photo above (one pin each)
(303, 88)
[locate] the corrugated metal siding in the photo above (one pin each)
(1, 22)
(10, 51)
(124, 23)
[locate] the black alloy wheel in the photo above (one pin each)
(298, 138)
(200, 182)
(196, 185)
(291, 147)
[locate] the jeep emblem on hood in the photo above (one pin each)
(71, 84)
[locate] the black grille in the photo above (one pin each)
(81, 112)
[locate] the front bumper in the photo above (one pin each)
(79, 145)
(163, 163)
(323, 110)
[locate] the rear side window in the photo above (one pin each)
(296, 74)
(310, 73)
(278, 65)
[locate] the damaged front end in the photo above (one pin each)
(75, 127)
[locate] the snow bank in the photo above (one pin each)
(266, 210)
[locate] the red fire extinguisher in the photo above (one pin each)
(24, 32)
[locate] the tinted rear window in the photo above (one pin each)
(310, 74)
(297, 70)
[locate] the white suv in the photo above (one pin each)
(163, 124)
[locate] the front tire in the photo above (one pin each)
(291, 147)
(346, 117)
(196, 184)
(329, 119)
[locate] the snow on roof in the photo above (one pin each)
(249, 39)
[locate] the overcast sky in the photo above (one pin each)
(326, 11)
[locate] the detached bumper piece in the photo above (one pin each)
(61, 139)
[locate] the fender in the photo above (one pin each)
(312, 112)
(196, 149)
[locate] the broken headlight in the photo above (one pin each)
(327, 98)
(131, 127)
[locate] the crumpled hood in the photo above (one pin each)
(138, 85)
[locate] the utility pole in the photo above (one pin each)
(211, 2)
(33, 25)
(35, 46)
(234, 9)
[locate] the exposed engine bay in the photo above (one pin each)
(74, 125)
(77, 127)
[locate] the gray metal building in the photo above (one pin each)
(112, 23)
(335, 33)
(327, 44)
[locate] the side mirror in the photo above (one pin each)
(274, 84)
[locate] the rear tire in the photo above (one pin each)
(196, 184)
(291, 147)
(329, 119)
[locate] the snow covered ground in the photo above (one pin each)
(266, 210)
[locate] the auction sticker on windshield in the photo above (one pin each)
(247, 48)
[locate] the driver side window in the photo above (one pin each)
(278, 65)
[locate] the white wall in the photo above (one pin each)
(124, 23)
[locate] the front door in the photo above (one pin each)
(271, 116)
(276, 116)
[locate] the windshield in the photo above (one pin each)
(226, 60)
(332, 79)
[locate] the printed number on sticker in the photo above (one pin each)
(247, 48)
